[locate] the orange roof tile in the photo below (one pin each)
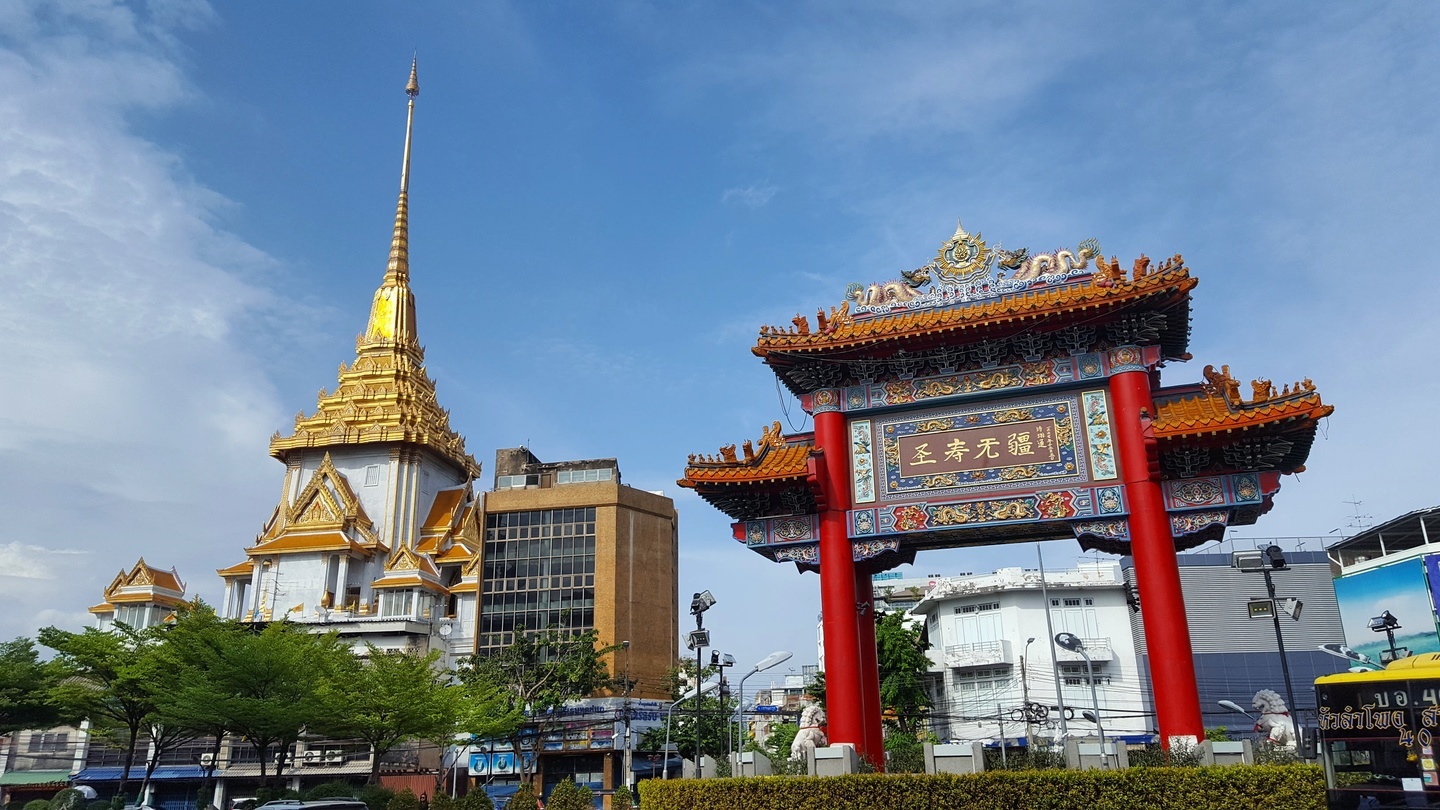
(240, 569)
(1201, 411)
(103, 607)
(780, 458)
(406, 580)
(295, 543)
(442, 511)
(1172, 277)
(465, 587)
(455, 554)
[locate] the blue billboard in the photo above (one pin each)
(1405, 589)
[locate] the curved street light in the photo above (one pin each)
(773, 659)
(693, 694)
(1072, 642)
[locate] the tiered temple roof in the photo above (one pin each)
(142, 584)
(385, 395)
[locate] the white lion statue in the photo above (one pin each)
(811, 734)
(1274, 722)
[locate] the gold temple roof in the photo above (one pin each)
(142, 584)
(385, 395)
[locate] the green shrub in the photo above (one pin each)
(904, 753)
(404, 800)
(376, 797)
(621, 799)
(1152, 755)
(67, 799)
(93, 804)
(523, 799)
(1154, 788)
(442, 801)
(565, 796)
(38, 804)
(266, 795)
(476, 799)
(337, 789)
(587, 797)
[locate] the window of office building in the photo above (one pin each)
(539, 572)
(580, 476)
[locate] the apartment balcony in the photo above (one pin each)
(1097, 648)
(980, 654)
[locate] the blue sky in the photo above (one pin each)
(608, 200)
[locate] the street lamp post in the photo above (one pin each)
(696, 693)
(1025, 689)
(698, 640)
(773, 659)
(1072, 642)
(1272, 559)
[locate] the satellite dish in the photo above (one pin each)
(446, 630)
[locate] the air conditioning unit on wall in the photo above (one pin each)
(311, 757)
(207, 759)
(334, 756)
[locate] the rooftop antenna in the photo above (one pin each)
(1358, 521)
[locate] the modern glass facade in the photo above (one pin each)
(539, 572)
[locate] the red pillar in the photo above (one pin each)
(843, 694)
(870, 671)
(1157, 574)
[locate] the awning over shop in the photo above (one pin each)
(162, 773)
(14, 778)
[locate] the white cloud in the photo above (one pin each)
(749, 196)
(134, 394)
(21, 561)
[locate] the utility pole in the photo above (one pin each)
(628, 758)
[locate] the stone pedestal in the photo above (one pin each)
(750, 763)
(954, 758)
(1084, 753)
(1215, 752)
(833, 760)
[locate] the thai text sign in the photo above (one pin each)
(981, 448)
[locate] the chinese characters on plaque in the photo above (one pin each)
(1011, 444)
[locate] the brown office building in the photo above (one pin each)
(568, 544)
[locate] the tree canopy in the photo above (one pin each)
(25, 685)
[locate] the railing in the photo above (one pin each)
(978, 654)
(1097, 648)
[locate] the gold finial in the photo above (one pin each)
(412, 88)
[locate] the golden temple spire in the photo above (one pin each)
(385, 395)
(392, 316)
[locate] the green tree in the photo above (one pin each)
(390, 697)
(25, 688)
(194, 698)
(815, 690)
(716, 713)
(272, 682)
(104, 676)
(900, 652)
(536, 675)
(524, 798)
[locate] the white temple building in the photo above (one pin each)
(376, 532)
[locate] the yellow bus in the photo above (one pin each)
(1379, 731)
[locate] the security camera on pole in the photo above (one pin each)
(697, 640)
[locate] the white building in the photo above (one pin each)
(991, 656)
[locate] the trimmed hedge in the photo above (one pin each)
(1236, 787)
